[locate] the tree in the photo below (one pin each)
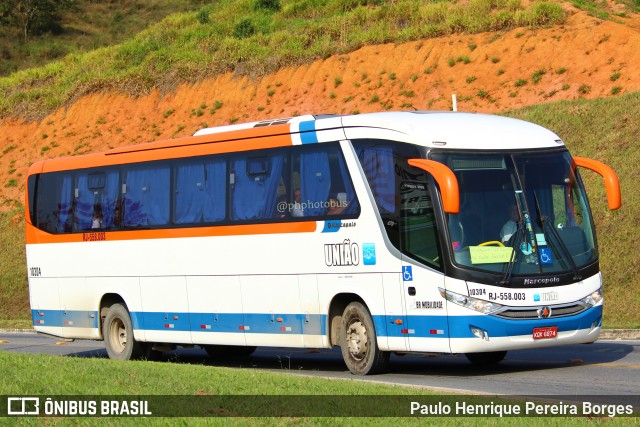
(33, 16)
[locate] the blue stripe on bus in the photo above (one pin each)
(498, 327)
(308, 133)
(257, 323)
(332, 225)
(65, 318)
(316, 324)
(459, 326)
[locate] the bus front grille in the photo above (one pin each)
(528, 313)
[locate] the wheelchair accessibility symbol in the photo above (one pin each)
(545, 256)
(407, 273)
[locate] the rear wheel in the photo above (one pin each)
(358, 342)
(229, 351)
(486, 359)
(117, 330)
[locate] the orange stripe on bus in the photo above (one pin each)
(228, 142)
(36, 236)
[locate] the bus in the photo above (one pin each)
(380, 233)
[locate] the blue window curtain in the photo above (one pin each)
(379, 168)
(201, 192)
(109, 198)
(146, 201)
(215, 197)
(255, 195)
(65, 207)
(84, 203)
(315, 181)
(92, 202)
(190, 193)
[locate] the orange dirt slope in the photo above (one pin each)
(587, 57)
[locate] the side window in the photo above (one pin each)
(321, 183)
(254, 184)
(385, 165)
(95, 198)
(54, 206)
(200, 191)
(146, 195)
(419, 236)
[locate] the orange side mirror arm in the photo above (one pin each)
(446, 179)
(611, 182)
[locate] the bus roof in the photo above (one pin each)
(444, 129)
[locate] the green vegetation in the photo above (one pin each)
(14, 298)
(537, 76)
(33, 375)
(250, 38)
(56, 28)
(600, 10)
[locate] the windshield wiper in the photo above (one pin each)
(546, 220)
(519, 237)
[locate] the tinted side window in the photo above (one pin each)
(419, 236)
(147, 195)
(254, 184)
(321, 184)
(385, 166)
(292, 184)
(54, 205)
(200, 191)
(95, 196)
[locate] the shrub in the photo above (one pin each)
(244, 29)
(270, 5)
(584, 89)
(537, 75)
(203, 16)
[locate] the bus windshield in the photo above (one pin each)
(520, 213)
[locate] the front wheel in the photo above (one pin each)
(358, 342)
(117, 330)
(486, 359)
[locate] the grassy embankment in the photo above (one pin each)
(249, 38)
(85, 26)
(42, 375)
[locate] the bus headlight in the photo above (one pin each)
(476, 304)
(593, 298)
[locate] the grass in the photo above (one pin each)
(239, 38)
(14, 299)
(189, 384)
(86, 26)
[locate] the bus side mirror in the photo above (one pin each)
(611, 183)
(446, 180)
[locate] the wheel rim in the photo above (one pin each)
(357, 340)
(118, 335)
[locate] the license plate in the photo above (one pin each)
(545, 333)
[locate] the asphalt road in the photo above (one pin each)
(607, 371)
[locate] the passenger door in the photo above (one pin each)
(421, 279)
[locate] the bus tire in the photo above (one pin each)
(229, 351)
(117, 331)
(358, 342)
(486, 359)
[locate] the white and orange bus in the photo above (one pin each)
(385, 232)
